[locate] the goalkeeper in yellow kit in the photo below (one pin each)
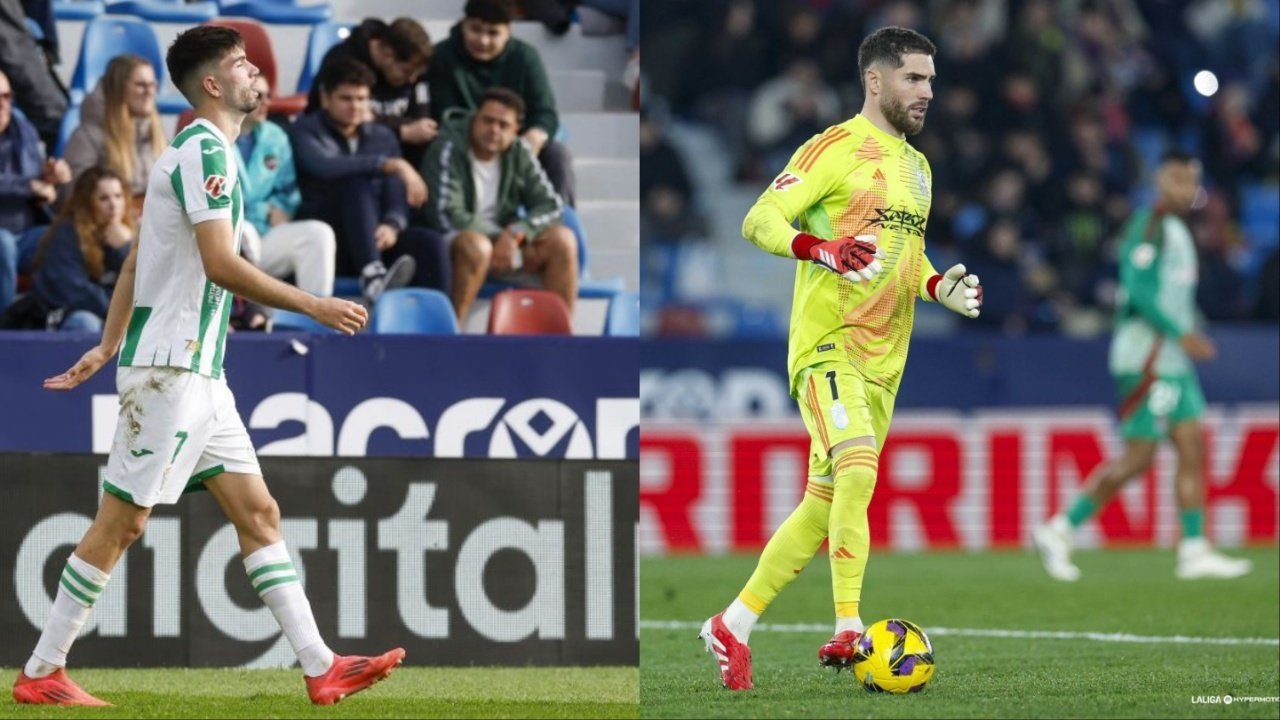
(861, 195)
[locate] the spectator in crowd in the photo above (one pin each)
(398, 54)
(481, 178)
(28, 184)
(667, 212)
(275, 242)
(787, 110)
(120, 126)
(629, 12)
(31, 77)
(352, 177)
(479, 54)
(81, 253)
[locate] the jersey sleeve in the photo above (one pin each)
(927, 272)
(803, 183)
(201, 180)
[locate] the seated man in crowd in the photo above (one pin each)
(479, 54)
(482, 179)
(352, 177)
(398, 54)
(28, 185)
(273, 240)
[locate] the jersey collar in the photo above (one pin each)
(212, 128)
(860, 123)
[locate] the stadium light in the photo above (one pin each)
(1206, 83)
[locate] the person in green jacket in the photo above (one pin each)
(494, 203)
(1155, 343)
(479, 54)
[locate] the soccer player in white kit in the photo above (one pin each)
(178, 427)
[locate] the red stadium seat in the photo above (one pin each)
(529, 312)
(257, 45)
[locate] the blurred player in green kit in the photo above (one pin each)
(1157, 393)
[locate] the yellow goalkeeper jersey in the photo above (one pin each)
(854, 179)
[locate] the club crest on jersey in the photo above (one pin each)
(214, 186)
(784, 182)
(923, 181)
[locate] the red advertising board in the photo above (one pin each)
(971, 480)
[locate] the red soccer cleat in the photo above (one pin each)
(733, 658)
(838, 651)
(350, 674)
(53, 689)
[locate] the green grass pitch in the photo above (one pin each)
(410, 692)
(1130, 592)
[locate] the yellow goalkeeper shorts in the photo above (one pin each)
(838, 404)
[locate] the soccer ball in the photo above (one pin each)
(893, 656)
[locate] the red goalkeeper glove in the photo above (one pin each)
(856, 258)
(958, 291)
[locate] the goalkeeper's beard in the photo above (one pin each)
(899, 115)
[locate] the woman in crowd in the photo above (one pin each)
(120, 126)
(81, 254)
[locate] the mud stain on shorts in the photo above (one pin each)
(158, 382)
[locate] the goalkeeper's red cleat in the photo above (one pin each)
(53, 689)
(733, 658)
(350, 674)
(838, 651)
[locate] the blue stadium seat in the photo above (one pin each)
(77, 9)
(289, 321)
(109, 36)
(420, 311)
(70, 122)
(165, 10)
(323, 36)
(623, 318)
(281, 12)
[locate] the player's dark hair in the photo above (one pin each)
(346, 71)
(498, 12)
(888, 45)
(1178, 155)
(193, 51)
(407, 39)
(504, 96)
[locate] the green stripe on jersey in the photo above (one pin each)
(213, 158)
(189, 132)
(141, 313)
(222, 335)
(175, 179)
(208, 307)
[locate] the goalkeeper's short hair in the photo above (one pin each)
(887, 45)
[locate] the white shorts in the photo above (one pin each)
(176, 429)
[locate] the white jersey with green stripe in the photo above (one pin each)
(1157, 300)
(179, 316)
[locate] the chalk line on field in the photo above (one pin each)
(993, 633)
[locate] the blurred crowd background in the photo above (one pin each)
(1047, 121)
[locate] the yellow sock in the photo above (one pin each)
(790, 549)
(850, 536)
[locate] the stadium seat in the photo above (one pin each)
(323, 36)
(184, 119)
(281, 12)
(165, 10)
(421, 311)
(70, 121)
(108, 36)
(77, 9)
(257, 46)
(623, 318)
(529, 312)
(289, 321)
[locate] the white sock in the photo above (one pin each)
(1061, 525)
(739, 619)
(78, 589)
(849, 623)
(273, 577)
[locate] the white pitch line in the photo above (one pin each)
(980, 632)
